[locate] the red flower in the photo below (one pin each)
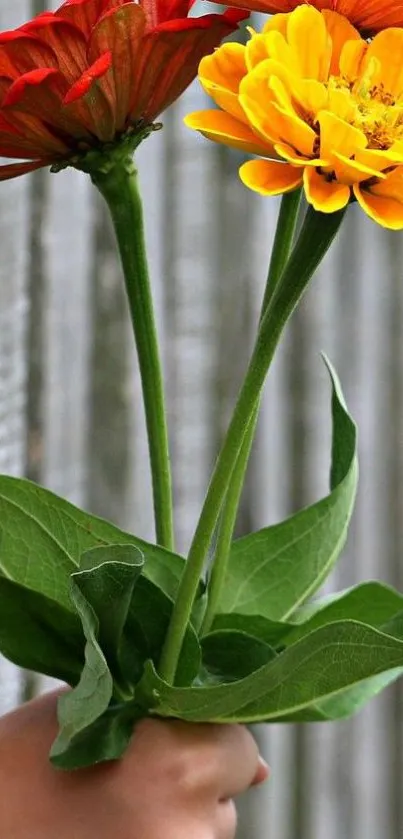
(93, 72)
(367, 15)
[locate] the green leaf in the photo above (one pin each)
(107, 738)
(230, 655)
(271, 572)
(39, 634)
(271, 632)
(146, 628)
(125, 618)
(107, 580)
(44, 536)
(325, 663)
(79, 708)
(371, 603)
(352, 700)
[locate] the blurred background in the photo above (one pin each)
(71, 413)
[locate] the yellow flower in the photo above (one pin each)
(321, 106)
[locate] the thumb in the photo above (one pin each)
(262, 772)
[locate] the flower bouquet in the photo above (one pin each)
(229, 633)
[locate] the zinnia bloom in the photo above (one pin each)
(322, 106)
(95, 71)
(367, 15)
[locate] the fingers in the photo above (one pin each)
(241, 765)
(263, 772)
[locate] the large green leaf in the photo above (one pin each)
(371, 603)
(39, 634)
(325, 663)
(271, 572)
(271, 632)
(146, 628)
(231, 655)
(44, 536)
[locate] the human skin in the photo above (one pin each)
(176, 781)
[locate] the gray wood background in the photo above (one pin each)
(71, 417)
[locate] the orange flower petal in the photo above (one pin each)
(325, 196)
(341, 31)
(350, 171)
(352, 59)
(268, 119)
(221, 74)
(308, 38)
(379, 160)
(386, 211)
(224, 128)
(387, 49)
(338, 135)
(290, 155)
(267, 177)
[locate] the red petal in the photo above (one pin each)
(31, 129)
(91, 74)
(66, 41)
(229, 21)
(33, 77)
(120, 31)
(86, 13)
(41, 94)
(23, 53)
(169, 61)
(14, 170)
(88, 89)
(157, 11)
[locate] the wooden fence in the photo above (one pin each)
(71, 416)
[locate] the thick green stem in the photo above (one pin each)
(118, 184)
(283, 241)
(314, 240)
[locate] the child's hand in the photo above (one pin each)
(176, 781)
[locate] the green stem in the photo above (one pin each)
(283, 241)
(317, 233)
(118, 183)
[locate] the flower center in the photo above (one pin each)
(371, 108)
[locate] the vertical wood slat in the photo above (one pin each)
(14, 222)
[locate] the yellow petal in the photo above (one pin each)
(341, 103)
(379, 160)
(338, 135)
(325, 196)
(221, 74)
(269, 177)
(387, 50)
(391, 186)
(307, 94)
(352, 58)
(340, 31)
(278, 23)
(308, 37)
(385, 211)
(269, 120)
(224, 128)
(291, 156)
(225, 67)
(278, 49)
(350, 171)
